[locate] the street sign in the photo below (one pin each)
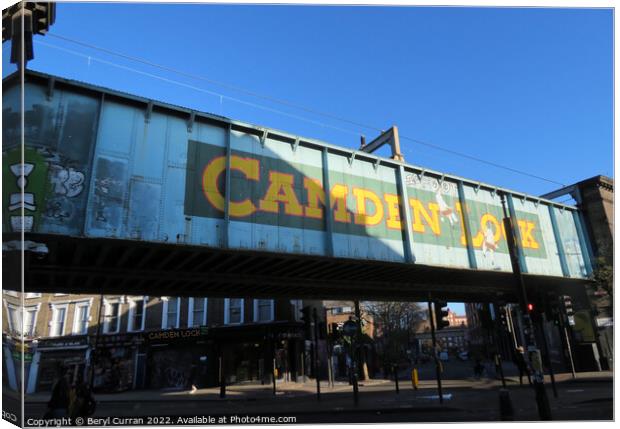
(349, 328)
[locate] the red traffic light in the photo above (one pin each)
(530, 307)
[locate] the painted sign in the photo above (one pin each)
(271, 191)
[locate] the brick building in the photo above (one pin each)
(595, 199)
(141, 342)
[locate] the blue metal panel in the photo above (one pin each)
(558, 240)
(470, 247)
(150, 148)
(583, 243)
(518, 238)
(141, 173)
(227, 188)
(586, 246)
(406, 218)
(329, 227)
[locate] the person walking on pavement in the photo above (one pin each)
(478, 368)
(522, 366)
(83, 404)
(58, 405)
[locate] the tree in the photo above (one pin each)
(603, 275)
(395, 324)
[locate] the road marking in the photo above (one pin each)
(446, 396)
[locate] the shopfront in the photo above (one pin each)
(52, 354)
(117, 362)
(178, 358)
(250, 352)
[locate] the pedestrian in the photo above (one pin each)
(83, 403)
(58, 405)
(522, 365)
(478, 368)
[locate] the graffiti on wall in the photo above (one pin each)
(46, 186)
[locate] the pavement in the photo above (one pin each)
(587, 397)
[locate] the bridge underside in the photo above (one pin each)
(113, 266)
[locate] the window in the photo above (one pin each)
(170, 313)
(29, 319)
(137, 311)
(197, 312)
(81, 317)
(263, 310)
(33, 295)
(112, 317)
(59, 319)
(233, 311)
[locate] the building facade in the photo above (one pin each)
(142, 342)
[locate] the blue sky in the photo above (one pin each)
(527, 88)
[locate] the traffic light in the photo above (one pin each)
(535, 311)
(568, 309)
(568, 305)
(32, 18)
(441, 314)
(503, 317)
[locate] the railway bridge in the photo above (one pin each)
(116, 193)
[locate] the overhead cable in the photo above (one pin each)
(274, 100)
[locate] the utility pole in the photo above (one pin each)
(358, 341)
(542, 402)
(316, 354)
(437, 367)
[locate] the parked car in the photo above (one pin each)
(463, 355)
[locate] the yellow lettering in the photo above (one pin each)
(248, 166)
(460, 210)
(419, 213)
(527, 239)
(338, 195)
(281, 191)
(393, 209)
(316, 196)
(362, 217)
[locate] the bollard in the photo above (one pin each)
(506, 411)
(414, 378)
(355, 390)
(544, 410)
(274, 376)
(222, 380)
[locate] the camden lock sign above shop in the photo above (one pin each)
(177, 334)
(276, 192)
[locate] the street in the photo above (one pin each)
(589, 397)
